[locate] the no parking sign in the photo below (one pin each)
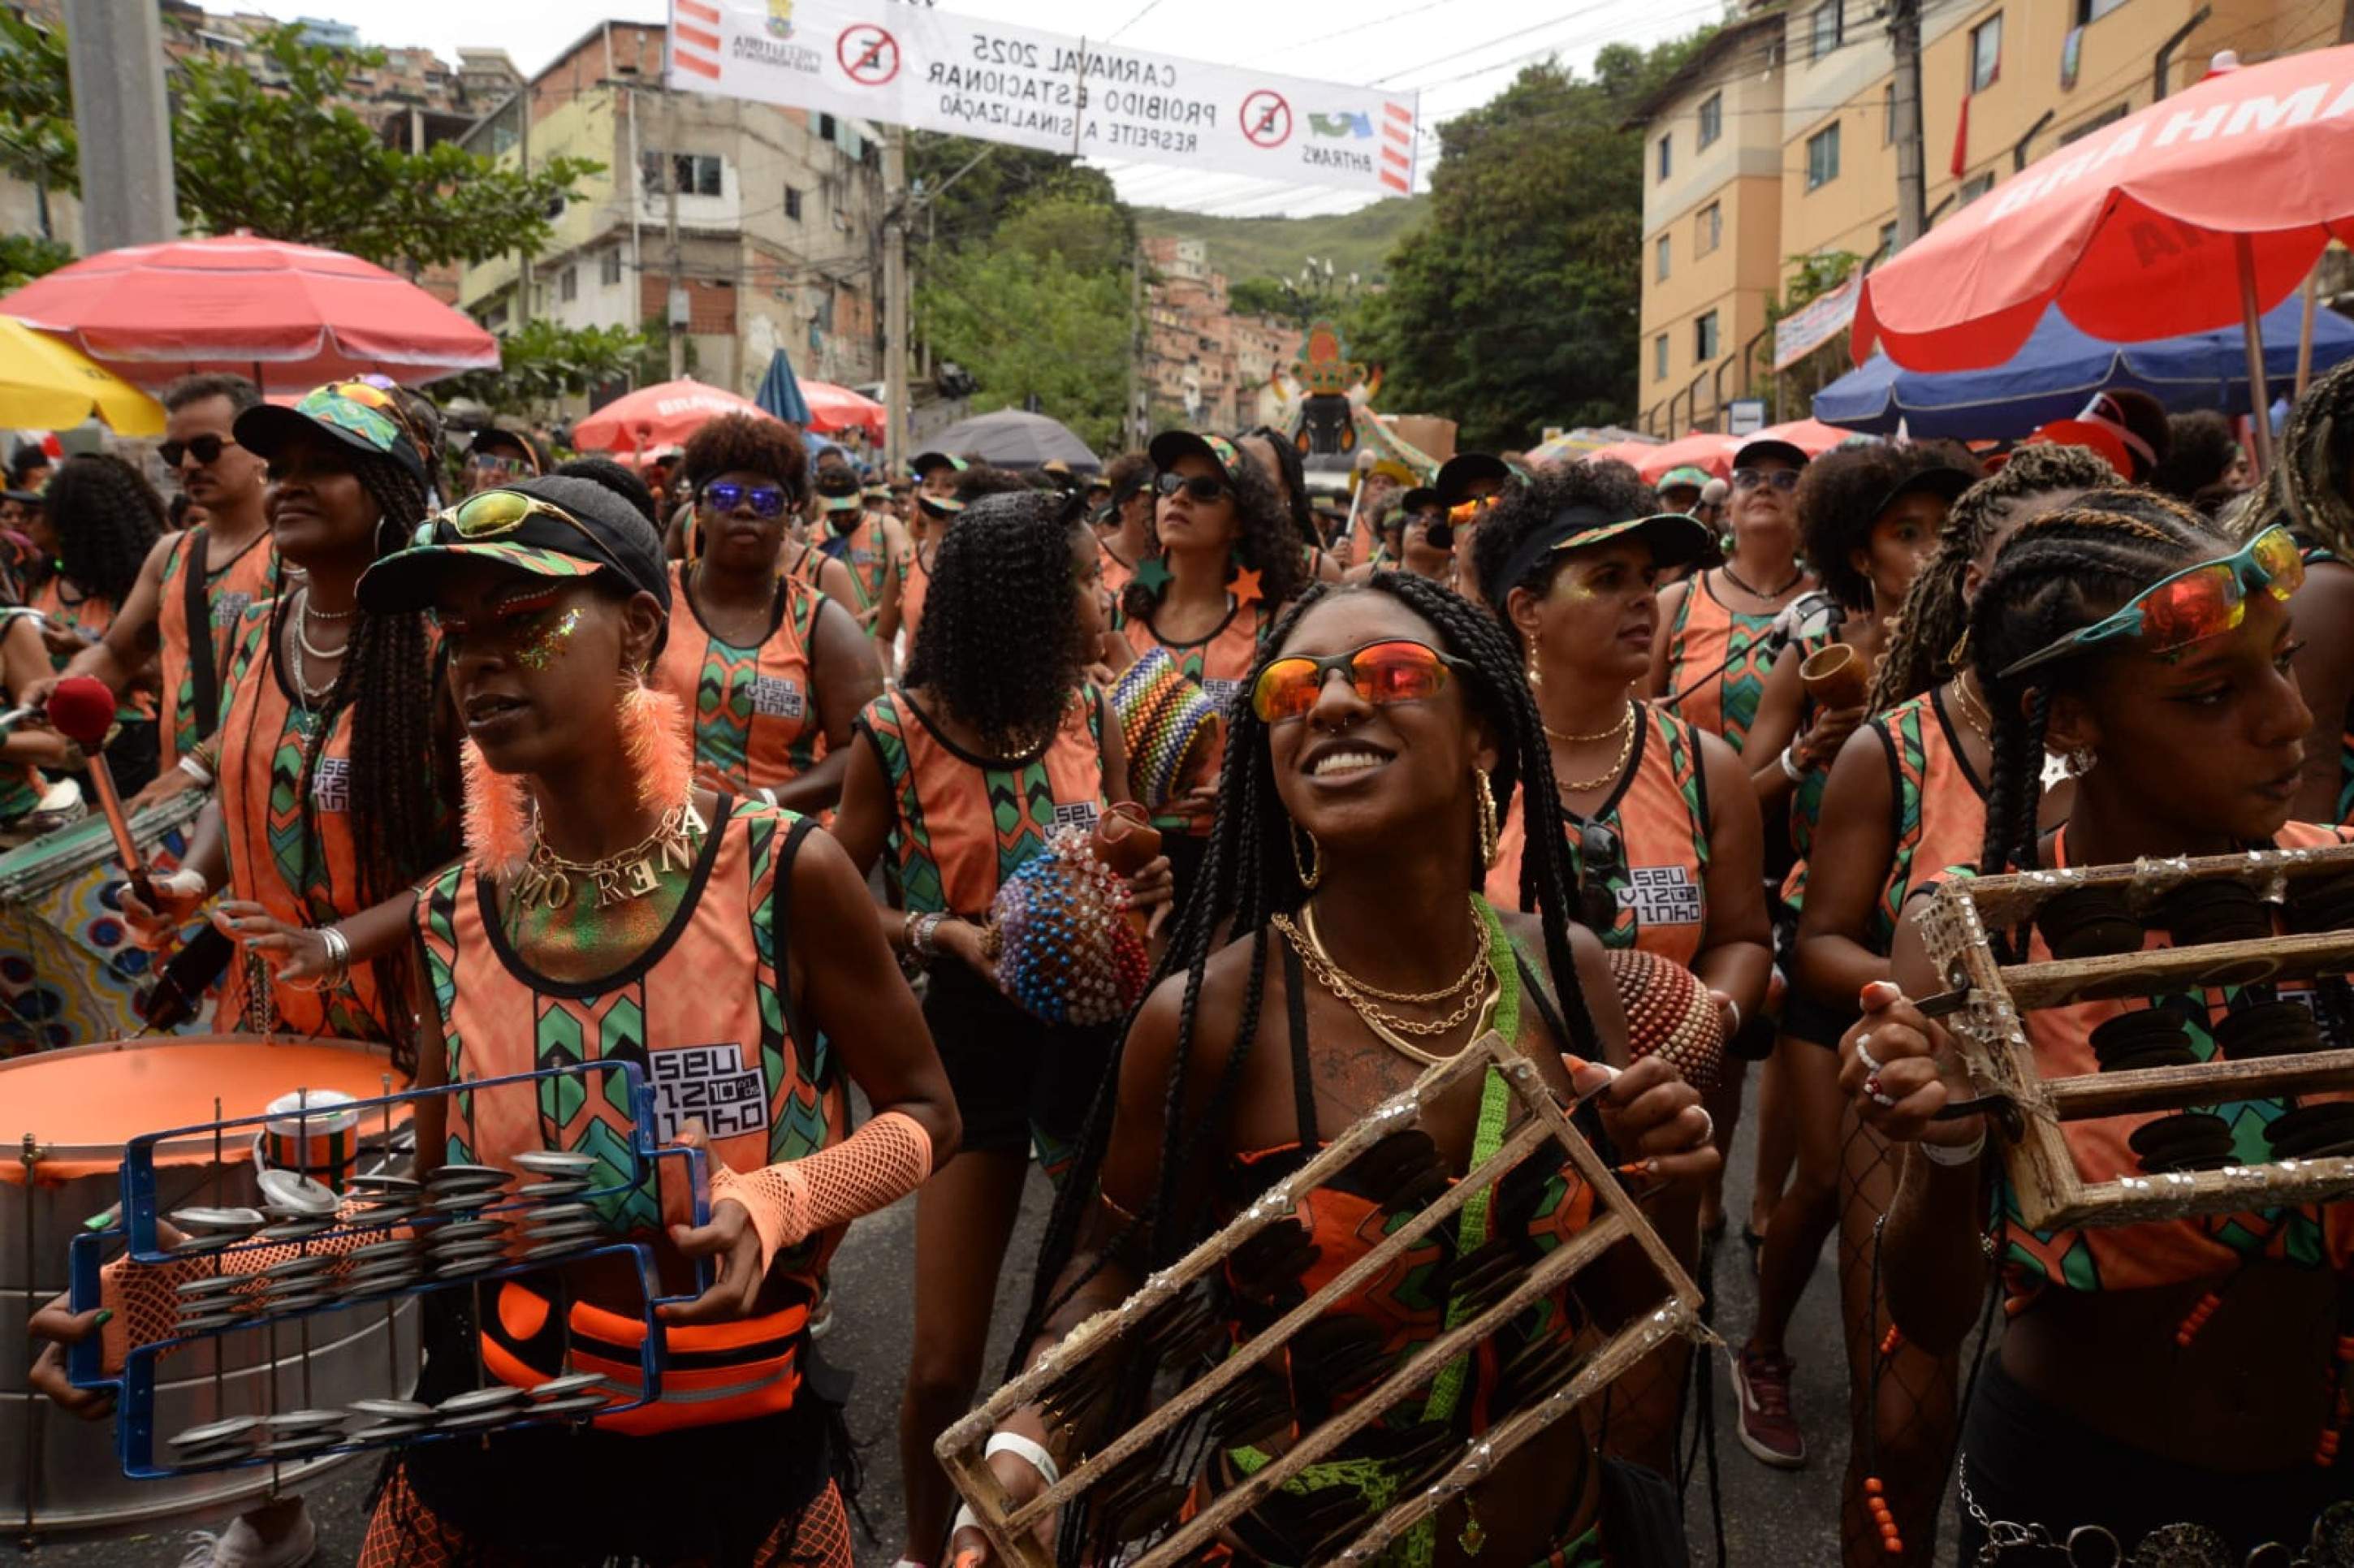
(934, 70)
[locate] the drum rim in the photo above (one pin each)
(160, 817)
(234, 1147)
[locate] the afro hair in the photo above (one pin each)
(1839, 497)
(739, 443)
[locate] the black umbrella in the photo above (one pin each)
(1011, 438)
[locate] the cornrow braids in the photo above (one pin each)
(1264, 542)
(1932, 619)
(1248, 874)
(397, 782)
(2058, 574)
(2308, 488)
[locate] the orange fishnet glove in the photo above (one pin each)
(788, 1203)
(145, 1296)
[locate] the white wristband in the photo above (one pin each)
(1955, 1154)
(193, 770)
(1023, 1448)
(1790, 770)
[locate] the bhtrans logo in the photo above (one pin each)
(2232, 117)
(781, 18)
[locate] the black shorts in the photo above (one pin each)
(1804, 1018)
(1018, 1079)
(2025, 1463)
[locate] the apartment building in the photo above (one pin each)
(1202, 363)
(1778, 143)
(779, 218)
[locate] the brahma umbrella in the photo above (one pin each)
(2060, 368)
(662, 415)
(291, 316)
(2204, 208)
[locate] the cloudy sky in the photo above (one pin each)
(1458, 53)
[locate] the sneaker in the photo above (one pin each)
(1768, 1430)
(278, 1534)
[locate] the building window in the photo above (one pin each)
(825, 127)
(1986, 53)
(1975, 186)
(1887, 244)
(2091, 11)
(698, 173)
(1660, 251)
(568, 284)
(793, 203)
(1712, 119)
(609, 266)
(2109, 116)
(1666, 155)
(1704, 338)
(1825, 29)
(1660, 357)
(1708, 228)
(1822, 156)
(1888, 115)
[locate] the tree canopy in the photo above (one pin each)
(1518, 304)
(278, 152)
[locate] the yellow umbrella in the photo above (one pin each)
(47, 384)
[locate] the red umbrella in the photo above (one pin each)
(2205, 209)
(1811, 437)
(661, 415)
(1628, 452)
(1702, 449)
(292, 315)
(833, 408)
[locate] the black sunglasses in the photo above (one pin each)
(1784, 479)
(1597, 854)
(1201, 487)
(207, 450)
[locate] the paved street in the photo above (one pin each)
(1773, 1519)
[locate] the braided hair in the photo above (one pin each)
(1001, 644)
(1265, 543)
(107, 517)
(1249, 873)
(2058, 574)
(1922, 639)
(2311, 488)
(1839, 500)
(397, 783)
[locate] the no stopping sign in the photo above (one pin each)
(1267, 118)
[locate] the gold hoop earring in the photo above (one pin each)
(1959, 650)
(1311, 871)
(1492, 849)
(1536, 676)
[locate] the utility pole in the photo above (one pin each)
(1131, 422)
(523, 253)
(1911, 189)
(894, 291)
(114, 56)
(680, 312)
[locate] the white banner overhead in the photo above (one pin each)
(933, 71)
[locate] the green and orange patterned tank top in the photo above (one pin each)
(753, 710)
(706, 1012)
(1657, 825)
(867, 550)
(2162, 1252)
(1717, 661)
(1938, 805)
(250, 577)
(266, 735)
(962, 823)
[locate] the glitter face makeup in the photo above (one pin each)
(548, 639)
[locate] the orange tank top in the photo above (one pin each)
(912, 592)
(304, 878)
(1220, 663)
(962, 823)
(706, 1012)
(753, 710)
(252, 574)
(866, 551)
(1717, 661)
(2162, 1252)
(1656, 827)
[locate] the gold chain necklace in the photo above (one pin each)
(1605, 732)
(1469, 976)
(1341, 983)
(1625, 750)
(1975, 713)
(548, 879)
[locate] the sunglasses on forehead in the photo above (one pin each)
(1395, 671)
(2193, 605)
(493, 515)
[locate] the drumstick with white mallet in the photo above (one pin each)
(82, 709)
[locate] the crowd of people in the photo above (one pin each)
(507, 759)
